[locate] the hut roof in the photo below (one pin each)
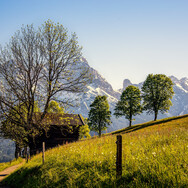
(61, 119)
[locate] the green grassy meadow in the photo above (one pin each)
(155, 154)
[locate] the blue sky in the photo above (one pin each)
(120, 38)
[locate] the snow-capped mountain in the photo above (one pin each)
(180, 99)
(100, 86)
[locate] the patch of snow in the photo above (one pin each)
(178, 85)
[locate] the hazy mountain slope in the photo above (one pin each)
(99, 86)
(6, 150)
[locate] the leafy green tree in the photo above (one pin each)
(54, 107)
(129, 104)
(157, 92)
(19, 132)
(84, 131)
(99, 114)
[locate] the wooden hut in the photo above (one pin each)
(63, 128)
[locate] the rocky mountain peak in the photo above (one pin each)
(185, 79)
(126, 83)
(174, 79)
(99, 81)
(184, 83)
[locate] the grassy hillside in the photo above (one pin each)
(154, 155)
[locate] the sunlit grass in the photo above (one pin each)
(154, 156)
(9, 164)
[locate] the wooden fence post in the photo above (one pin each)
(43, 152)
(119, 157)
(27, 157)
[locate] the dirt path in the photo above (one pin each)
(8, 171)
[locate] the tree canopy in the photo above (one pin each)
(39, 65)
(18, 132)
(54, 107)
(99, 114)
(84, 130)
(129, 104)
(157, 92)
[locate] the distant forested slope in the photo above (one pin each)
(6, 150)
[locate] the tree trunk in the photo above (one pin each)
(99, 129)
(99, 132)
(17, 151)
(25, 152)
(156, 113)
(130, 122)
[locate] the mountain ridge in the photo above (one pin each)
(100, 86)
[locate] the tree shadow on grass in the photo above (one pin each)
(136, 179)
(19, 178)
(91, 175)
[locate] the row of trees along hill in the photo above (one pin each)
(38, 65)
(156, 92)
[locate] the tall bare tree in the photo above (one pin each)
(37, 66)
